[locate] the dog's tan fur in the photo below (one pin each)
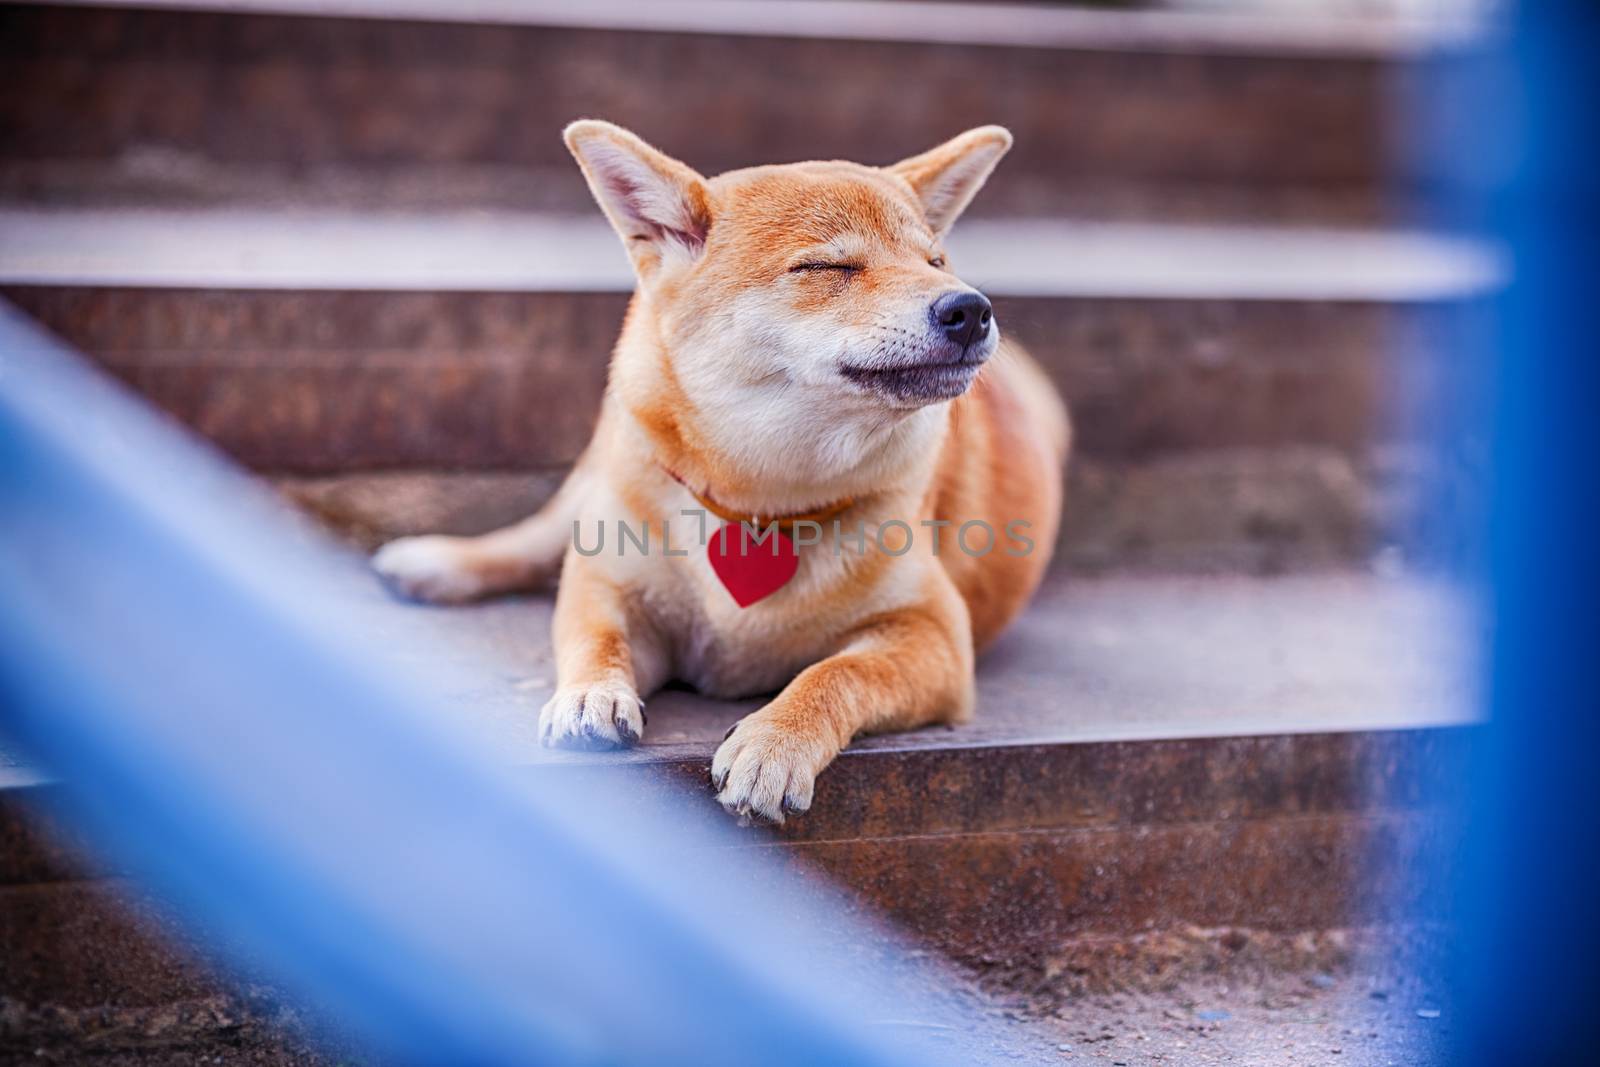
(727, 379)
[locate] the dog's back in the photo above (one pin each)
(1002, 464)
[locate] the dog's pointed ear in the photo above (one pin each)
(659, 206)
(946, 178)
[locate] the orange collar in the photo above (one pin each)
(785, 523)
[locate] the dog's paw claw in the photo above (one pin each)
(762, 770)
(597, 716)
(795, 805)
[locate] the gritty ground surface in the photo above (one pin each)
(1288, 1023)
(1247, 1012)
(1354, 1020)
(1295, 1025)
(1360, 996)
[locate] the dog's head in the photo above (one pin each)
(806, 287)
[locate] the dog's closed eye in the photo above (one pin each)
(846, 268)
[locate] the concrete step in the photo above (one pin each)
(1244, 397)
(428, 103)
(1151, 757)
(322, 343)
(1243, 511)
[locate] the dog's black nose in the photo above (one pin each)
(963, 316)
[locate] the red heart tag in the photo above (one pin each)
(751, 569)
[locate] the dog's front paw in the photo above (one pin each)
(434, 569)
(592, 716)
(763, 769)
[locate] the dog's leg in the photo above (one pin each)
(904, 669)
(454, 570)
(606, 656)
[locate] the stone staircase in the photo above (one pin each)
(351, 252)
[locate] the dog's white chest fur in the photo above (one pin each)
(726, 650)
(723, 649)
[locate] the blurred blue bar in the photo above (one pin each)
(1528, 163)
(169, 648)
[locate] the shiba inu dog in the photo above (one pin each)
(798, 355)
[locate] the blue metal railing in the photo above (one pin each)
(168, 647)
(1525, 165)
